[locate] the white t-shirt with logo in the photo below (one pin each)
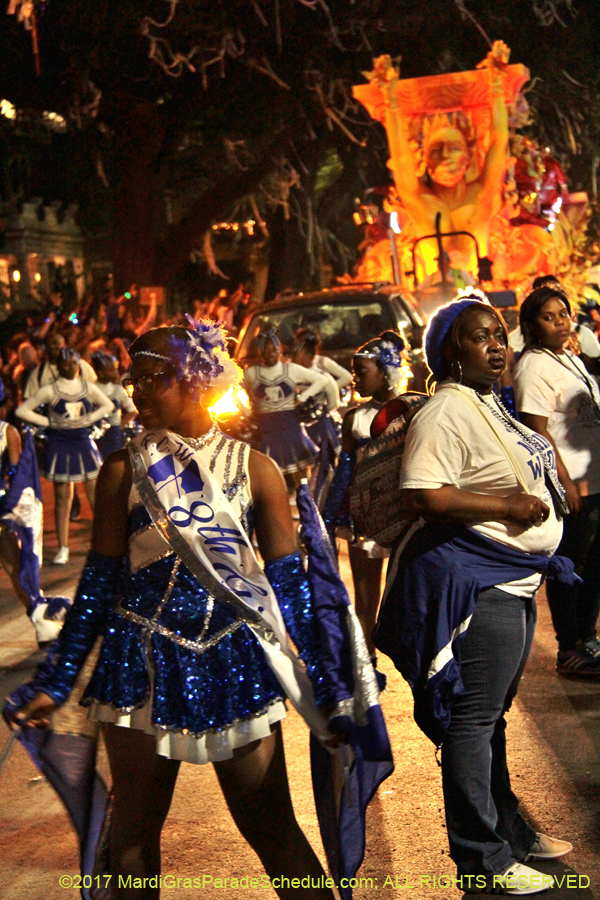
(558, 388)
(450, 443)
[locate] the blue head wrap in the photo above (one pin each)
(439, 327)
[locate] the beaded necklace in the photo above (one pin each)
(204, 440)
(500, 412)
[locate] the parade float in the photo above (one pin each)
(474, 200)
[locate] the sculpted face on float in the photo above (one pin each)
(448, 156)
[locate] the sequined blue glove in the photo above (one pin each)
(290, 584)
(84, 622)
(336, 510)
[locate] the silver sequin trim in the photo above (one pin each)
(203, 441)
(168, 551)
(216, 452)
(91, 701)
(240, 476)
(171, 729)
(167, 593)
(227, 470)
(210, 605)
(194, 646)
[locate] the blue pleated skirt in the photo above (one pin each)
(322, 432)
(111, 440)
(71, 455)
(284, 438)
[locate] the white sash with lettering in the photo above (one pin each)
(189, 509)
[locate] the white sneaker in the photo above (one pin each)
(519, 879)
(545, 847)
(46, 629)
(62, 557)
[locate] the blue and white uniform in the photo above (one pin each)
(73, 405)
(273, 391)
(112, 439)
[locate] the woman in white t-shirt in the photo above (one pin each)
(559, 399)
(458, 613)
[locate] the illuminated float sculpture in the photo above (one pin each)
(450, 139)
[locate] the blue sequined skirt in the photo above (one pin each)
(226, 681)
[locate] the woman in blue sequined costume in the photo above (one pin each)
(378, 375)
(182, 676)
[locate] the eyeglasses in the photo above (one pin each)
(147, 384)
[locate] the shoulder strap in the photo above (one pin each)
(505, 448)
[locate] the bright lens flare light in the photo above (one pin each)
(230, 402)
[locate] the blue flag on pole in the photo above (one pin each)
(343, 782)
(21, 509)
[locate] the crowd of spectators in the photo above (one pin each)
(31, 340)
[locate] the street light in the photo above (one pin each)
(16, 276)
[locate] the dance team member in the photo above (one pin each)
(71, 455)
(195, 662)
(377, 375)
(47, 371)
(124, 411)
(10, 453)
(19, 478)
(470, 566)
(274, 390)
(559, 399)
(322, 429)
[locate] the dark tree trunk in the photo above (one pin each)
(138, 197)
(173, 252)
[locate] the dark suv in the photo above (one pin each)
(344, 317)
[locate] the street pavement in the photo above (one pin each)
(554, 743)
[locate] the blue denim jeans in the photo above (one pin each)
(485, 829)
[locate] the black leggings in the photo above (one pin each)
(575, 609)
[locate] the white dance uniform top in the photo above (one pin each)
(70, 401)
(340, 375)
(330, 394)
(273, 388)
(117, 394)
(47, 372)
